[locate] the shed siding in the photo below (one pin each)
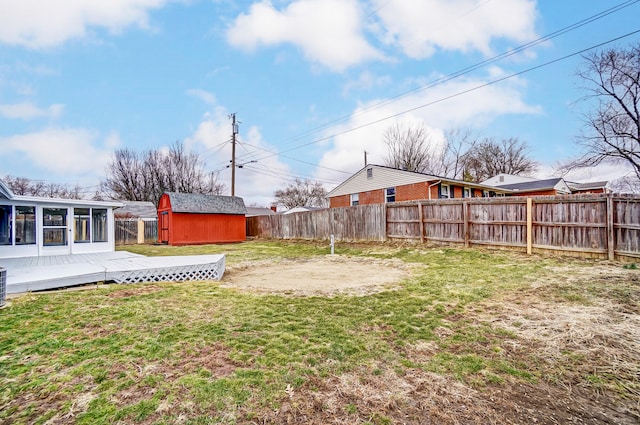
(206, 228)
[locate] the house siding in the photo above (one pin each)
(372, 197)
(411, 192)
(380, 177)
(340, 201)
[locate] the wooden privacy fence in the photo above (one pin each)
(362, 223)
(605, 226)
(134, 231)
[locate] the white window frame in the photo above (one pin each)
(387, 195)
(355, 199)
(466, 192)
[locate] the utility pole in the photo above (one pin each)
(234, 131)
(365, 158)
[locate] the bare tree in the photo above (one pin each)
(458, 141)
(27, 187)
(146, 176)
(302, 193)
(612, 127)
(411, 148)
(488, 158)
(408, 148)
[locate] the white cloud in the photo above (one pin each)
(203, 95)
(255, 182)
(475, 109)
(329, 32)
(366, 81)
(41, 24)
(421, 27)
(29, 111)
(60, 151)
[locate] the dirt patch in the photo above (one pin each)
(324, 275)
(135, 291)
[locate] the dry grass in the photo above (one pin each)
(467, 338)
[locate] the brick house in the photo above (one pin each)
(376, 184)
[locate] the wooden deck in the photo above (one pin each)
(59, 271)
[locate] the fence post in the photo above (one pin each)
(610, 232)
(140, 232)
(465, 225)
(420, 216)
(529, 226)
(384, 221)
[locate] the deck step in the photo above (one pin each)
(35, 274)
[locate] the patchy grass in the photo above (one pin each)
(472, 336)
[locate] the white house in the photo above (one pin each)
(32, 226)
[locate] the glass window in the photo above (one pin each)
(369, 173)
(82, 225)
(355, 199)
(54, 222)
(5, 224)
(466, 192)
(25, 225)
(444, 191)
(390, 194)
(99, 224)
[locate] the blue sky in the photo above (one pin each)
(79, 79)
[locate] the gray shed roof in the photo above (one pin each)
(137, 209)
(206, 204)
(256, 211)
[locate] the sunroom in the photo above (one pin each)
(33, 226)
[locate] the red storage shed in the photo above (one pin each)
(191, 219)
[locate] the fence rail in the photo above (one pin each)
(606, 226)
(133, 231)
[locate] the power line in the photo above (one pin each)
(463, 71)
(490, 83)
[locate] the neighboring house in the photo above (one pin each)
(190, 219)
(376, 184)
(140, 210)
(590, 187)
(556, 186)
(33, 226)
(258, 211)
(302, 209)
(503, 178)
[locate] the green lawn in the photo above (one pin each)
(196, 353)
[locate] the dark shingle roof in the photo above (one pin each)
(534, 185)
(206, 204)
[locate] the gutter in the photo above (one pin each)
(431, 185)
